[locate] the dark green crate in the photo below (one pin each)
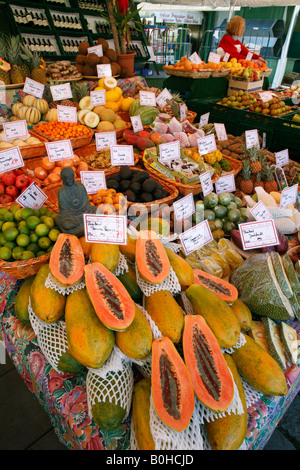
(287, 137)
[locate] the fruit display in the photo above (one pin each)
(56, 130)
(13, 183)
(247, 73)
(275, 107)
(62, 70)
(31, 109)
(4, 144)
(215, 158)
(26, 233)
(239, 99)
(109, 201)
(48, 172)
(86, 63)
(224, 213)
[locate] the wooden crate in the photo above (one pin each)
(246, 85)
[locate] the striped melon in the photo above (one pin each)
(28, 100)
(41, 105)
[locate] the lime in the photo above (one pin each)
(3, 211)
(10, 245)
(8, 217)
(42, 230)
(5, 253)
(23, 240)
(14, 209)
(16, 252)
(6, 225)
(22, 222)
(44, 243)
(27, 212)
(43, 210)
(24, 229)
(53, 234)
(34, 247)
(27, 255)
(1, 223)
(18, 215)
(10, 234)
(33, 237)
(49, 221)
(32, 221)
(50, 248)
(2, 238)
(40, 253)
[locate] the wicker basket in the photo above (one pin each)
(33, 151)
(26, 268)
(76, 142)
(221, 73)
(266, 73)
(205, 73)
(236, 165)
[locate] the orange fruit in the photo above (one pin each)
(66, 163)
(76, 160)
(40, 173)
(47, 164)
(54, 178)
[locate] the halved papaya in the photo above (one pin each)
(110, 299)
(172, 390)
(211, 378)
(151, 258)
(67, 260)
(222, 288)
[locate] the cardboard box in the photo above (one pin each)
(243, 84)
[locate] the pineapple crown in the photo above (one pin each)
(268, 173)
(32, 58)
(246, 170)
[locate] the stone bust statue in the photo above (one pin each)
(73, 202)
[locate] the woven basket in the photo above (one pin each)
(119, 132)
(76, 142)
(221, 73)
(33, 151)
(26, 268)
(236, 165)
(266, 73)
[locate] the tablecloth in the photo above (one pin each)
(63, 396)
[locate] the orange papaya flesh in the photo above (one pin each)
(172, 390)
(151, 258)
(211, 378)
(110, 299)
(67, 260)
(222, 288)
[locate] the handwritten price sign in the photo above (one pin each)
(101, 228)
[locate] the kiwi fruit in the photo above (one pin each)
(111, 54)
(103, 43)
(158, 194)
(83, 47)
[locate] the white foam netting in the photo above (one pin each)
(52, 283)
(122, 266)
(171, 284)
(52, 339)
(36, 323)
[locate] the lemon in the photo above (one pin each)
(126, 103)
(112, 95)
(101, 81)
(119, 90)
(112, 105)
(99, 88)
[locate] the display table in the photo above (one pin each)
(63, 396)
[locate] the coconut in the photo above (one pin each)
(92, 60)
(83, 47)
(104, 60)
(79, 68)
(115, 68)
(103, 43)
(89, 71)
(111, 54)
(80, 59)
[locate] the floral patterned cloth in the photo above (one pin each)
(63, 396)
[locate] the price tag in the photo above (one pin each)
(66, 113)
(162, 98)
(104, 70)
(206, 144)
(100, 228)
(182, 112)
(258, 234)
(225, 184)
(184, 207)
(105, 139)
(34, 88)
(98, 50)
(59, 150)
(196, 237)
(204, 120)
(226, 57)
(61, 92)
(260, 212)
(289, 196)
(169, 151)
(32, 197)
(10, 159)
(15, 130)
(195, 59)
(282, 157)
(266, 96)
(252, 139)
(147, 98)
(98, 97)
(249, 56)
(121, 155)
(136, 123)
(213, 57)
(206, 183)
(220, 131)
(93, 181)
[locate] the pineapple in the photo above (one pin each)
(13, 57)
(258, 180)
(254, 160)
(270, 182)
(4, 76)
(246, 184)
(34, 61)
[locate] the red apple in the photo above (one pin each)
(21, 181)
(11, 191)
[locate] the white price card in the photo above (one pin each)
(98, 97)
(249, 56)
(10, 159)
(220, 131)
(147, 98)
(105, 139)
(137, 124)
(184, 207)
(34, 88)
(33, 197)
(206, 183)
(265, 96)
(169, 151)
(226, 57)
(121, 155)
(204, 120)
(104, 70)
(258, 234)
(61, 92)
(282, 157)
(66, 113)
(289, 196)
(182, 111)
(59, 150)
(206, 144)
(252, 139)
(15, 130)
(98, 50)
(100, 228)
(260, 212)
(213, 57)
(93, 181)
(196, 237)
(195, 59)
(162, 98)
(225, 184)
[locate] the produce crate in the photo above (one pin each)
(236, 84)
(287, 136)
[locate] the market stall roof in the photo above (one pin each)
(217, 4)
